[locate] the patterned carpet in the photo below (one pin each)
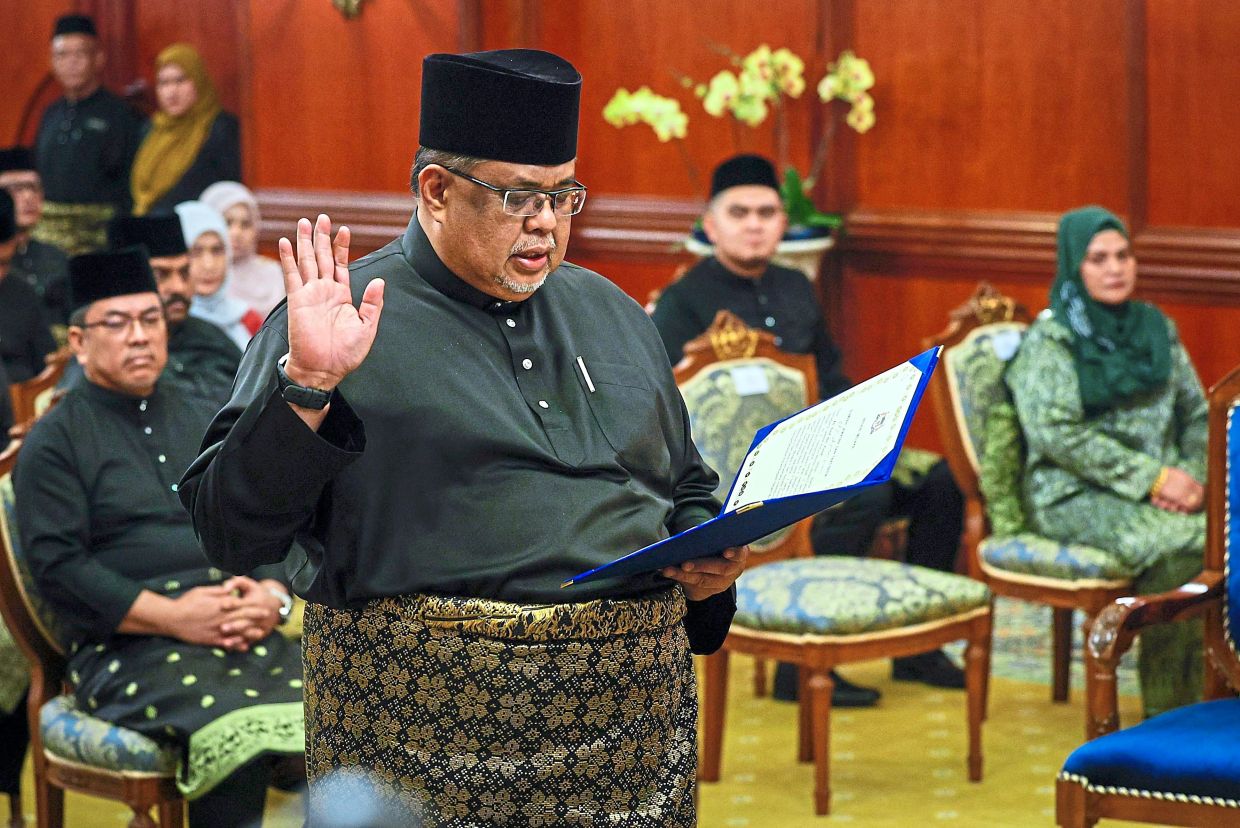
(901, 764)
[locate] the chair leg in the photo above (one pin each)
(49, 802)
(820, 688)
(1061, 653)
(759, 678)
(1101, 694)
(976, 665)
(1072, 806)
(141, 818)
(16, 819)
(805, 718)
(172, 814)
(714, 702)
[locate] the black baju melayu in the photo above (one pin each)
(46, 269)
(464, 470)
(25, 336)
(84, 152)
(204, 358)
(782, 302)
(100, 521)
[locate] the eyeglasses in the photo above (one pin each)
(565, 202)
(119, 323)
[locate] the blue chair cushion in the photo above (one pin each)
(1029, 554)
(1187, 752)
(849, 596)
(70, 734)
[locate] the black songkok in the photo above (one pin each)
(743, 169)
(95, 276)
(515, 105)
(75, 24)
(8, 217)
(16, 159)
(160, 235)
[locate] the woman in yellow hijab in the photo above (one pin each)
(191, 142)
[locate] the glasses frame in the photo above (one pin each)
(110, 324)
(552, 195)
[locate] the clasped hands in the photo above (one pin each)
(1179, 492)
(231, 615)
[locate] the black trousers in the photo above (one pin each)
(934, 506)
(14, 738)
(238, 801)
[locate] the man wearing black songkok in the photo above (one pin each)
(85, 145)
(42, 266)
(25, 336)
(510, 422)
(745, 220)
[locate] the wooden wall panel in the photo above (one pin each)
(999, 104)
(647, 42)
(216, 30)
(1194, 123)
(335, 102)
(25, 61)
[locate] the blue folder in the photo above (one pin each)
(751, 522)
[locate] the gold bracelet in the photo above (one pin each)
(1156, 489)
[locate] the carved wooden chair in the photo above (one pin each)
(71, 750)
(34, 396)
(815, 612)
(1177, 768)
(981, 437)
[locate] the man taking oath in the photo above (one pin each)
(451, 427)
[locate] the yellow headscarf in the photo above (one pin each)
(173, 143)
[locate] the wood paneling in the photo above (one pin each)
(214, 29)
(335, 102)
(25, 62)
(999, 104)
(1194, 122)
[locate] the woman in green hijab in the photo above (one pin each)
(1114, 420)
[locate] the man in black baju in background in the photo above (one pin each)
(25, 336)
(511, 422)
(85, 145)
(43, 266)
(745, 220)
(159, 641)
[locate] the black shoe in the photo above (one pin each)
(845, 694)
(933, 668)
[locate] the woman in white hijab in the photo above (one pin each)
(256, 280)
(206, 236)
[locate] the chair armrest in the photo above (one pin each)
(1119, 623)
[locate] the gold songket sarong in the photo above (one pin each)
(74, 228)
(470, 712)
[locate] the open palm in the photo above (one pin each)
(328, 337)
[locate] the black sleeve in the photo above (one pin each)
(676, 324)
(224, 148)
(6, 406)
(262, 471)
(828, 359)
(42, 342)
(707, 622)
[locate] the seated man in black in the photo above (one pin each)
(745, 220)
(42, 266)
(25, 337)
(159, 640)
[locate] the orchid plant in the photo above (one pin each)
(758, 87)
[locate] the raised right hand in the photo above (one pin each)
(328, 338)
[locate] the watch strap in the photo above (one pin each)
(300, 395)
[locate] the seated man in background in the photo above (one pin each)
(745, 221)
(25, 338)
(200, 354)
(42, 266)
(160, 641)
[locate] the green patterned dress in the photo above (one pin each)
(1087, 480)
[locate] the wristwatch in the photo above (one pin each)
(300, 395)
(286, 603)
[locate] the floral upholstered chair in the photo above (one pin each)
(982, 438)
(815, 612)
(72, 750)
(1180, 767)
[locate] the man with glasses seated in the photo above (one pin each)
(42, 266)
(510, 422)
(160, 641)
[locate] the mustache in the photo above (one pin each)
(548, 244)
(174, 298)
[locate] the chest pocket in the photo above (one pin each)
(627, 410)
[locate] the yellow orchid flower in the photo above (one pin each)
(789, 72)
(721, 92)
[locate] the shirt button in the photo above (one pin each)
(146, 430)
(761, 299)
(175, 487)
(527, 364)
(162, 458)
(779, 340)
(142, 406)
(543, 404)
(510, 323)
(770, 321)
